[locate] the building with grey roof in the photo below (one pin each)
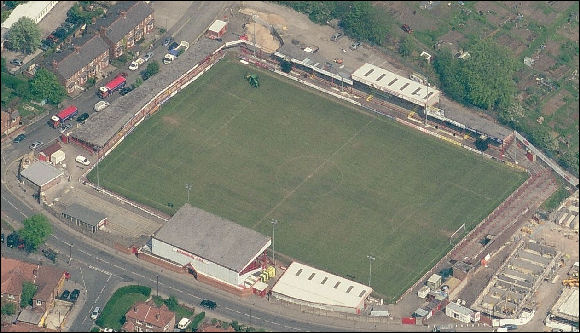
(84, 217)
(210, 245)
(74, 66)
(126, 23)
(41, 176)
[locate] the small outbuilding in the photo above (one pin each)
(461, 313)
(217, 29)
(41, 176)
(434, 281)
(52, 154)
(84, 217)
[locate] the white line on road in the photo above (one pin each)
(101, 270)
(18, 210)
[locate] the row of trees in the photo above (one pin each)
(359, 19)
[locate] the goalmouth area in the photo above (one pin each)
(342, 183)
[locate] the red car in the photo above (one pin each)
(406, 28)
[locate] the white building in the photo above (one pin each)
(210, 245)
(396, 85)
(305, 285)
(36, 10)
(461, 313)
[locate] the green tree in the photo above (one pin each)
(513, 113)
(8, 309)
(286, 66)
(152, 69)
(36, 229)
(172, 303)
(406, 46)
(28, 291)
(45, 85)
(482, 143)
(24, 36)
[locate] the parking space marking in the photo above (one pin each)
(101, 270)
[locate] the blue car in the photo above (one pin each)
(19, 138)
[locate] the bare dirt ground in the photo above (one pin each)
(555, 102)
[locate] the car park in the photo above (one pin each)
(82, 160)
(19, 138)
(16, 62)
(75, 295)
(95, 313)
(148, 56)
(206, 303)
(65, 295)
(83, 117)
(35, 145)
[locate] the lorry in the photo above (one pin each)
(176, 52)
(115, 84)
(64, 115)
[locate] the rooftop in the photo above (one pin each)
(396, 85)
(28, 9)
(84, 214)
(51, 149)
(13, 273)
(217, 26)
(149, 313)
(212, 237)
(459, 309)
(41, 173)
(117, 24)
(72, 60)
(316, 286)
(567, 305)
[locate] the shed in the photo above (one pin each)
(422, 293)
(461, 313)
(57, 157)
(84, 217)
(217, 29)
(379, 311)
(46, 153)
(434, 281)
(41, 175)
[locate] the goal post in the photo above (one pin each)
(453, 236)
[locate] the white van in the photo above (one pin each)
(101, 105)
(183, 323)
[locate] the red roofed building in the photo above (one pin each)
(47, 154)
(147, 317)
(14, 272)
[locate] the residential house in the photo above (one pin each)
(10, 121)
(14, 272)
(88, 58)
(125, 24)
(147, 317)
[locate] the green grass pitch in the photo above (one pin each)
(344, 184)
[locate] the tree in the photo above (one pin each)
(482, 143)
(45, 86)
(152, 69)
(172, 303)
(286, 66)
(406, 46)
(24, 36)
(36, 229)
(28, 291)
(8, 309)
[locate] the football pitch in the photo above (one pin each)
(342, 183)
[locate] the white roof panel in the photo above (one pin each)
(30, 9)
(217, 26)
(316, 286)
(396, 85)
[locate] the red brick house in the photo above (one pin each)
(10, 121)
(125, 24)
(13, 273)
(147, 317)
(73, 67)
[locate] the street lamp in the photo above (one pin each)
(274, 222)
(188, 188)
(371, 259)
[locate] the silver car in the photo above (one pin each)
(35, 145)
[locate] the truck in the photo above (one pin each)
(115, 84)
(176, 52)
(64, 115)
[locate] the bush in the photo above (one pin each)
(8, 309)
(482, 143)
(198, 319)
(286, 66)
(120, 303)
(28, 291)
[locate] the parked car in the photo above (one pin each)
(336, 36)
(65, 295)
(355, 45)
(16, 62)
(12, 240)
(35, 145)
(173, 46)
(75, 295)
(19, 138)
(2, 238)
(82, 117)
(206, 303)
(124, 91)
(167, 41)
(82, 160)
(134, 66)
(95, 313)
(183, 323)
(64, 127)
(148, 56)
(101, 105)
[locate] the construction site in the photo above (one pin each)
(510, 290)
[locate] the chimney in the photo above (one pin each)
(134, 309)
(123, 13)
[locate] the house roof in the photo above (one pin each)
(84, 214)
(30, 9)
(459, 309)
(149, 313)
(41, 173)
(118, 25)
(31, 316)
(48, 151)
(47, 280)
(212, 237)
(13, 273)
(25, 327)
(69, 61)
